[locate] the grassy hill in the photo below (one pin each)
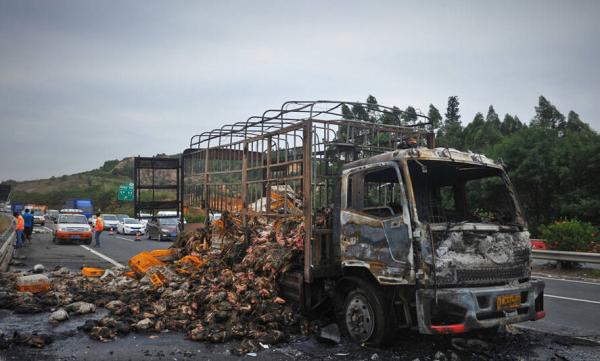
(100, 185)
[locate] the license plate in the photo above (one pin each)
(508, 302)
(173, 234)
(75, 236)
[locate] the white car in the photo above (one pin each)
(110, 221)
(131, 226)
(144, 220)
(72, 228)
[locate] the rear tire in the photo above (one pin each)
(368, 317)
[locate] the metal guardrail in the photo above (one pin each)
(7, 245)
(583, 257)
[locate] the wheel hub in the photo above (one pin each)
(360, 318)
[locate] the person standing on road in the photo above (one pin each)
(19, 229)
(28, 217)
(98, 228)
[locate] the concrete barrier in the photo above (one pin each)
(7, 246)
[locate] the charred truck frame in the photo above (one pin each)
(400, 234)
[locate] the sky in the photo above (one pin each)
(82, 82)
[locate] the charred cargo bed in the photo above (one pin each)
(398, 233)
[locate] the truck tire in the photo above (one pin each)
(368, 316)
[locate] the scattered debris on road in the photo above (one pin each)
(211, 295)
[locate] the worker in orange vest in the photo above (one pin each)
(19, 229)
(98, 228)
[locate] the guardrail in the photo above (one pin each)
(583, 257)
(7, 245)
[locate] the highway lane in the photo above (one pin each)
(113, 248)
(572, 308)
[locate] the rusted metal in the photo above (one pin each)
(299, 147)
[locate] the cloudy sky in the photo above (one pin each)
(82, 82)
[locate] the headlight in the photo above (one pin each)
(60, 229)
(164, 230)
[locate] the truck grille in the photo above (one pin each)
(486, 275)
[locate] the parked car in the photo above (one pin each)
(131, 226)
(38, 218)
(110, 221)
(121, 217)
(162, 228)
(72, 228)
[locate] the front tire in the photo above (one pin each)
(368, 317)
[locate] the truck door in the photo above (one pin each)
(375, 224)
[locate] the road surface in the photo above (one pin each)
(573, 309)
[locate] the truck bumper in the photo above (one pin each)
(457, 310)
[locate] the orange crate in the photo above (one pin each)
(92, 272)
(164, 254)
(33, 283)
(142, 262)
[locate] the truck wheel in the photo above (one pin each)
(368, 317)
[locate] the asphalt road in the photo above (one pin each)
(114, 250)
(573, 309)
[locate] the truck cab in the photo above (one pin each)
(440, 234)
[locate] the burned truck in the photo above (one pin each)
(399, 233)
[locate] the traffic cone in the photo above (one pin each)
(138, 236)
(111, 231)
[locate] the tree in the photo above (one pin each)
(547, 115)
(492, 117)
(346, 112)
(510, 124)
(452, 111)
(359, 112)
(434, 116)
(473, 131)
(574, 124)
(409, 116)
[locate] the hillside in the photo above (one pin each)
(101, 185)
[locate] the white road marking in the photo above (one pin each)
(127, 239)
(567, 280)
(572, 299)
(104, 257)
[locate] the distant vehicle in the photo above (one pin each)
(173, 214)
(38, 217)
(85, 205)
(72, 227)
(130, 226)
(110, 221)
(121, 217)
(144, 221)
(162, 228)
(17, 207)
(53, 215)
(71, 211)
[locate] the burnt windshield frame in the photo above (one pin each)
(427, 188)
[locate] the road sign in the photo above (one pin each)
(125, 192)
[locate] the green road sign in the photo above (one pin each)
(125, 192)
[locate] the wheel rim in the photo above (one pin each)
(360, 318)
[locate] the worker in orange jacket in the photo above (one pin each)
(19, 229)
(98, 228)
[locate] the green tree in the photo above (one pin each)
(409, 116)
(472, 133)
(434, 116)
(574, 124)
(510, 124)
(547, 115)
(452, 111)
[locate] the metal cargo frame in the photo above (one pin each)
(299, 149)
(144, 165)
